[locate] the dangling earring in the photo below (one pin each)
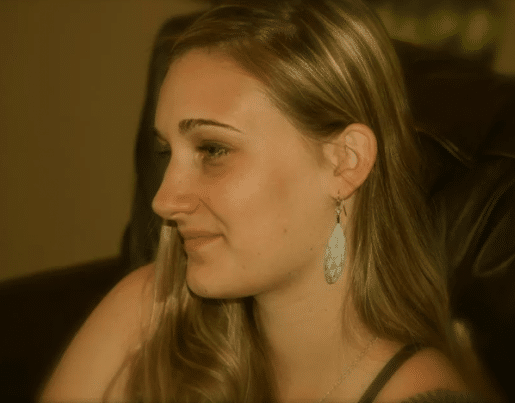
(336, 248)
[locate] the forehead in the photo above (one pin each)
(208, 85)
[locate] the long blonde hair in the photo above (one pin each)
(326, 64)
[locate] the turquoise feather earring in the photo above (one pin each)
(336, 248)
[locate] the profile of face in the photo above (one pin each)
(239, 168)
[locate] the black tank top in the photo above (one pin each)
(388, 370)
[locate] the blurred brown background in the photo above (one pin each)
(474, 29)
(72, 81)
(72, 78)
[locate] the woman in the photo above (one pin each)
(296, 261)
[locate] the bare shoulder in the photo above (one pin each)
(100, 346)
(428, 369)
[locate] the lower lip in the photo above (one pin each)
(197, 243)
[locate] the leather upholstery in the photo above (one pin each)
(467, 116)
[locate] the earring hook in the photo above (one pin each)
(340, 206)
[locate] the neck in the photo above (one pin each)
(309, 343)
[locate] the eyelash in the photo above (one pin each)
(218, 147)
(164, 150)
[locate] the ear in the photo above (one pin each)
(353, 154)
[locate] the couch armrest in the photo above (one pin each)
(40, 315)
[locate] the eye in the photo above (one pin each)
(162, 148)
(213, 151)
(163, 151)
(210, 150)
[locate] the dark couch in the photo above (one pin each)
(465, 115)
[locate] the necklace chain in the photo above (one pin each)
(349, 369)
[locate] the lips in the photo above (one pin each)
(199, 241)
(193, 234)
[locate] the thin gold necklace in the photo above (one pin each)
(350, 368)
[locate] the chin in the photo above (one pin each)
(208, 284)
(210, 292)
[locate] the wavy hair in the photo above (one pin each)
(325, 64)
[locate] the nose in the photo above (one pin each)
(175, 195)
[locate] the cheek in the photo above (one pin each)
(273, 205)
(254, 201)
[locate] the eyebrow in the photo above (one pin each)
(188, 125)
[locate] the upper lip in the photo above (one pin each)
(191, 234)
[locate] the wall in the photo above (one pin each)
(72, 80)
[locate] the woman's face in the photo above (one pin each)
(240, 169)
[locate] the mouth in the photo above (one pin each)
(200, 242)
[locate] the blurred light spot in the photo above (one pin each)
(442, 24)
(408, 29)
(479, 28)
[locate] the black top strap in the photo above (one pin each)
(388, 370)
